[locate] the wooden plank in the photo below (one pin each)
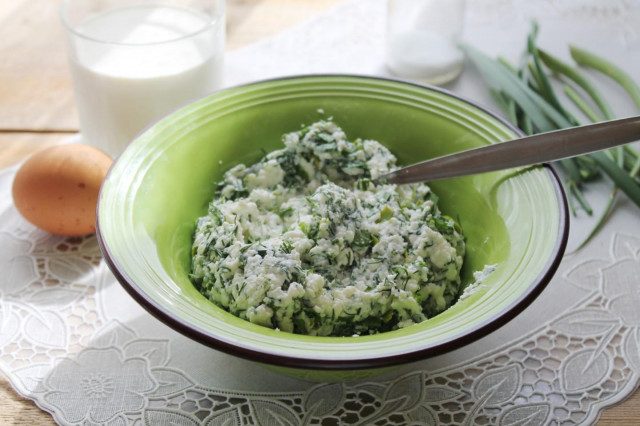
(249, 21)
(16, 410)
(16, 146)
(625, 413)
(35, 87)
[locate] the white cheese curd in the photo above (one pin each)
(479, 279)
(305, 241)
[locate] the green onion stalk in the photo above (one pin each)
(528, 98)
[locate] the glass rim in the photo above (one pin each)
(215, 20)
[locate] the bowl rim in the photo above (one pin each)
(309, 363)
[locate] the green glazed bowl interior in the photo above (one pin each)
(165, 178)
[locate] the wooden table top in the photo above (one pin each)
(37, 109)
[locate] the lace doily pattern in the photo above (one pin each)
(47, 293)
(59, 348)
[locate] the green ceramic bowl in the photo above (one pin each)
(164, 180)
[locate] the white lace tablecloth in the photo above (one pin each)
(73, 341)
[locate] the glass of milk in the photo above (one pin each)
(133, 61)
(422, 39)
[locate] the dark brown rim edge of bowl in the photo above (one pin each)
(470, 336)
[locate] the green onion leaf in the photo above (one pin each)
(559, 67)
(619, 176)
(587, 59)
(542, 115)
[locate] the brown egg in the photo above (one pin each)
(57, 188)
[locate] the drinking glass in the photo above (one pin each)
(422, 39)
(133, 61)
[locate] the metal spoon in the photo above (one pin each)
(540, 148)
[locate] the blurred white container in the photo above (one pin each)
(133, 61)
(422, 39)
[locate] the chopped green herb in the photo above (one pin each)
(385, 214)
(289, 239)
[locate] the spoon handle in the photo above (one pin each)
(540, 148)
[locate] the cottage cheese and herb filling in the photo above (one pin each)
(305, 242)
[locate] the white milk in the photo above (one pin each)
(133, 65)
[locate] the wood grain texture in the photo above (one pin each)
(249, 21)
(16, 410)
(35, 88)
(36, 94)
(18, 145)
(625, 413)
